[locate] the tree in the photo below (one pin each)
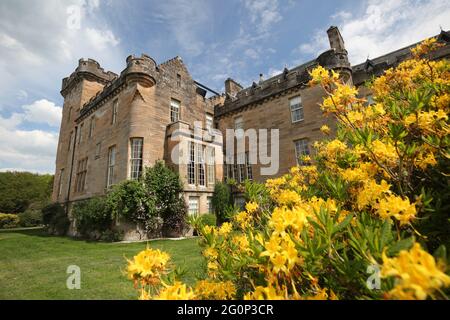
(165, 187)
(22, 190)
(221, 200)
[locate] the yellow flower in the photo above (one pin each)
(243, 219)
(149, 264)
(264, 293)
(288, 197)
(251, 206)
(215, 290)
(384, 151)
(325, 129)
(371, 192)
(395, 206)
(177, 291)
(225, 229)
(416, 272)
(210, 253)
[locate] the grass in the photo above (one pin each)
(33, 265)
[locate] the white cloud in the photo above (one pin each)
(30, 150)
(38, 48)
(43, 111)
(263, 13)
(187, 21)
(382, 27)
(251, 53)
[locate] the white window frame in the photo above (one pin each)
(302, 144)
(295, 105)
(175, 107)
(239, 127)
(201, 165)
(193, 205)
(60, 184)
(211, 169)
(209, 122)
(136, 157)
(191, 172)
(115, 111)
(111, 165)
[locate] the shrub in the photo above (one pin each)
(344, 225)
(9, 220)
(208, 219)
(92, 216)
(129, 200)
(221, 200)
(55, 218)
(30, 218)
(165, 187)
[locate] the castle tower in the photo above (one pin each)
(77, 89)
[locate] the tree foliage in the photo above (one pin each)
(22, 190)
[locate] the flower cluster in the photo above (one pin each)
(368, 197)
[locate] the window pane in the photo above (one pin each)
(174, 110)
(296, 109)
(136, 158)
(301, 149)
(193, 205)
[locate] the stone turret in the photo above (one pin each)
(88, 69)
(337, 57)
(141, 69)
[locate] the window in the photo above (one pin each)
(296, 109)
(236, 172)
(241, 164)
(209, 204)
(193, 205)
(230, 171)
(60, 185)
(301, 149)
(80, 134)
(178, 80)
(98, 149)
(209, 122)
(91, 127)
(191, 164)
(136, 158)
(211, 166)
(115, 110)
(174, 110)
(239, 127)
(70, 140)
(201, 164)
(111, 165)
(249, 166)
(81, 175)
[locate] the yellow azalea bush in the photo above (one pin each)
(366, 217)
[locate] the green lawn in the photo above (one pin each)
(33, 265)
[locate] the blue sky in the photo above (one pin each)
(39, 45)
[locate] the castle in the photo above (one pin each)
(115, 125)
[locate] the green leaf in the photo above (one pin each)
(400, 245)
